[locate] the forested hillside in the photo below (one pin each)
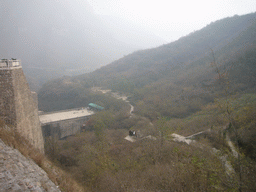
(173, 71)
(203, 81)
(226, 38)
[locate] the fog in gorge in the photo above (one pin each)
(54, 38)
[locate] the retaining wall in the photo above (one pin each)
(17, 106)
(64, 128)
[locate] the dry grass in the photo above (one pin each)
(58, 176)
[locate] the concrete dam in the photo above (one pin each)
(19, 109)
(64, 123)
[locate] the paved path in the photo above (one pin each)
(180, 138)
(224, 158)
(116, 95)
(132, 109)
(197, 134)
(232, 147)
(18, 173)
(228, 167)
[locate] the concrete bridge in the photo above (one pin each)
(64, 123)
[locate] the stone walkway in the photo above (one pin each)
(180, 138)
(18, 173)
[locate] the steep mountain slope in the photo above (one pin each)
(204, 81)
(224, 37)
(161, 76)
(53, 38)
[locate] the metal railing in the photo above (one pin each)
(6, 63)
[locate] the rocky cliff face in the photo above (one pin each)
(17, 106)
(18, 173)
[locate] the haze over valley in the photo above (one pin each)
(56, 38)
(126, 108)
(201, 86)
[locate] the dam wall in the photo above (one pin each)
(64, 123)
(64, 128)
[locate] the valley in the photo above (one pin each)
(57, 38)
(121, 109)
(202, 83)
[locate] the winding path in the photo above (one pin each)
(115, 95)
(232, 147)
(224, 158)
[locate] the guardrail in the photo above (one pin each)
(5, 63)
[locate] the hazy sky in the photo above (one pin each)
(170, 19)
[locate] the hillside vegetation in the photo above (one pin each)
(173, 74)
(203, 81)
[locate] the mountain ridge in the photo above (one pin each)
(59, 38)
(185, 60)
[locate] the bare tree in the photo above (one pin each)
(224, 82)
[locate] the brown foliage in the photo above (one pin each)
(143, 166)
(59, 177)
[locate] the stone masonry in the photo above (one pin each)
(18, 173)
(17, 106)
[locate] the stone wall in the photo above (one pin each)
(7, 107)
(64, 128)
(18, 173)
(17, 106)
(35, 98)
